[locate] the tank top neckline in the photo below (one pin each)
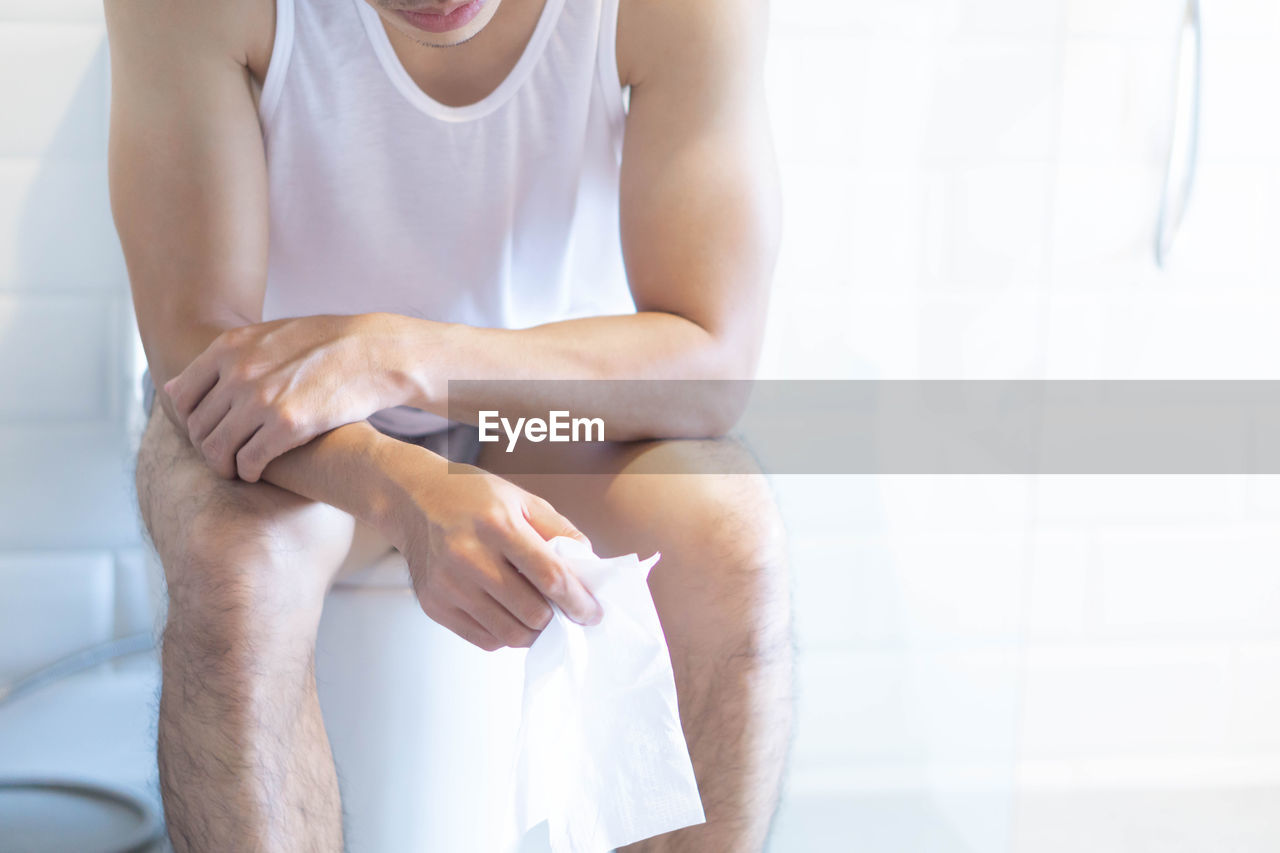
(413, 93)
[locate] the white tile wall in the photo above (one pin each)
(66, 485)
(139, 592)
(1270, 180)
(50, 11)
(959, 588)
(65, 469)
(52, 605)
(1149, 19)
(54, 221)
(1230, 247)
(1238, 71)
(54, 345)
(992, 99)
(1258, 19)
(1122, 700)
(995, 226)
(1104, 214)
(1212, 582)
(853, 708)
(997, 168)
(1083, 504)
(882, 20)
(1115, 100)
(1060, 606)
(1010, 19)
(65, 113)
(1255, 705)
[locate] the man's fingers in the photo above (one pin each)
(255, 455)
(211, 411)
(531, 554)
(267, 444)
(549, 523)
(467, 628)
(498, 621)
(189, 387)
(221, 447)
(514, 592)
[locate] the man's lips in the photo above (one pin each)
(445, 18)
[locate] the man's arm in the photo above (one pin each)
(700, 228)
(188, 192)
(699, 217)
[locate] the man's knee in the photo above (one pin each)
(238, 593)
(246, 565)
(724, 534)
(741, 552)
(723, 509)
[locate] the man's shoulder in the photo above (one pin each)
(654, 34)
(242, 30)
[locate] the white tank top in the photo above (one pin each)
(500, 213)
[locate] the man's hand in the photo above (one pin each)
(478, 555)
(261, 390)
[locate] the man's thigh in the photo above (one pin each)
(705, 498)
(187, 509)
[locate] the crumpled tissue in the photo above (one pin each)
(601, 755)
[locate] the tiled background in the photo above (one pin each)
(971, 191)
(69, 568)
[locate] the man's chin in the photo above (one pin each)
(437, 39)
(420, 29)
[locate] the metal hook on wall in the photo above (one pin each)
(1184, 136)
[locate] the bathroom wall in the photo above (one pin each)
(972, 191)
(70, 572)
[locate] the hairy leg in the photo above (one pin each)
(722, 594)
(244, 760)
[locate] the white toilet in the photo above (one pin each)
(423, 724)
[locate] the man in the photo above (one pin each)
(325, 219)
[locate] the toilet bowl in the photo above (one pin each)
(422, 724)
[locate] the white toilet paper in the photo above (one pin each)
(601, 755)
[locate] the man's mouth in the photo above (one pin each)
(444, 18)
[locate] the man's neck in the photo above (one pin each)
(466, 73)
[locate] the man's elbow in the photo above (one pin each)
(725, 382)
(722, 408)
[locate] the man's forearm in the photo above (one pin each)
(643, 346)
(352, 468)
